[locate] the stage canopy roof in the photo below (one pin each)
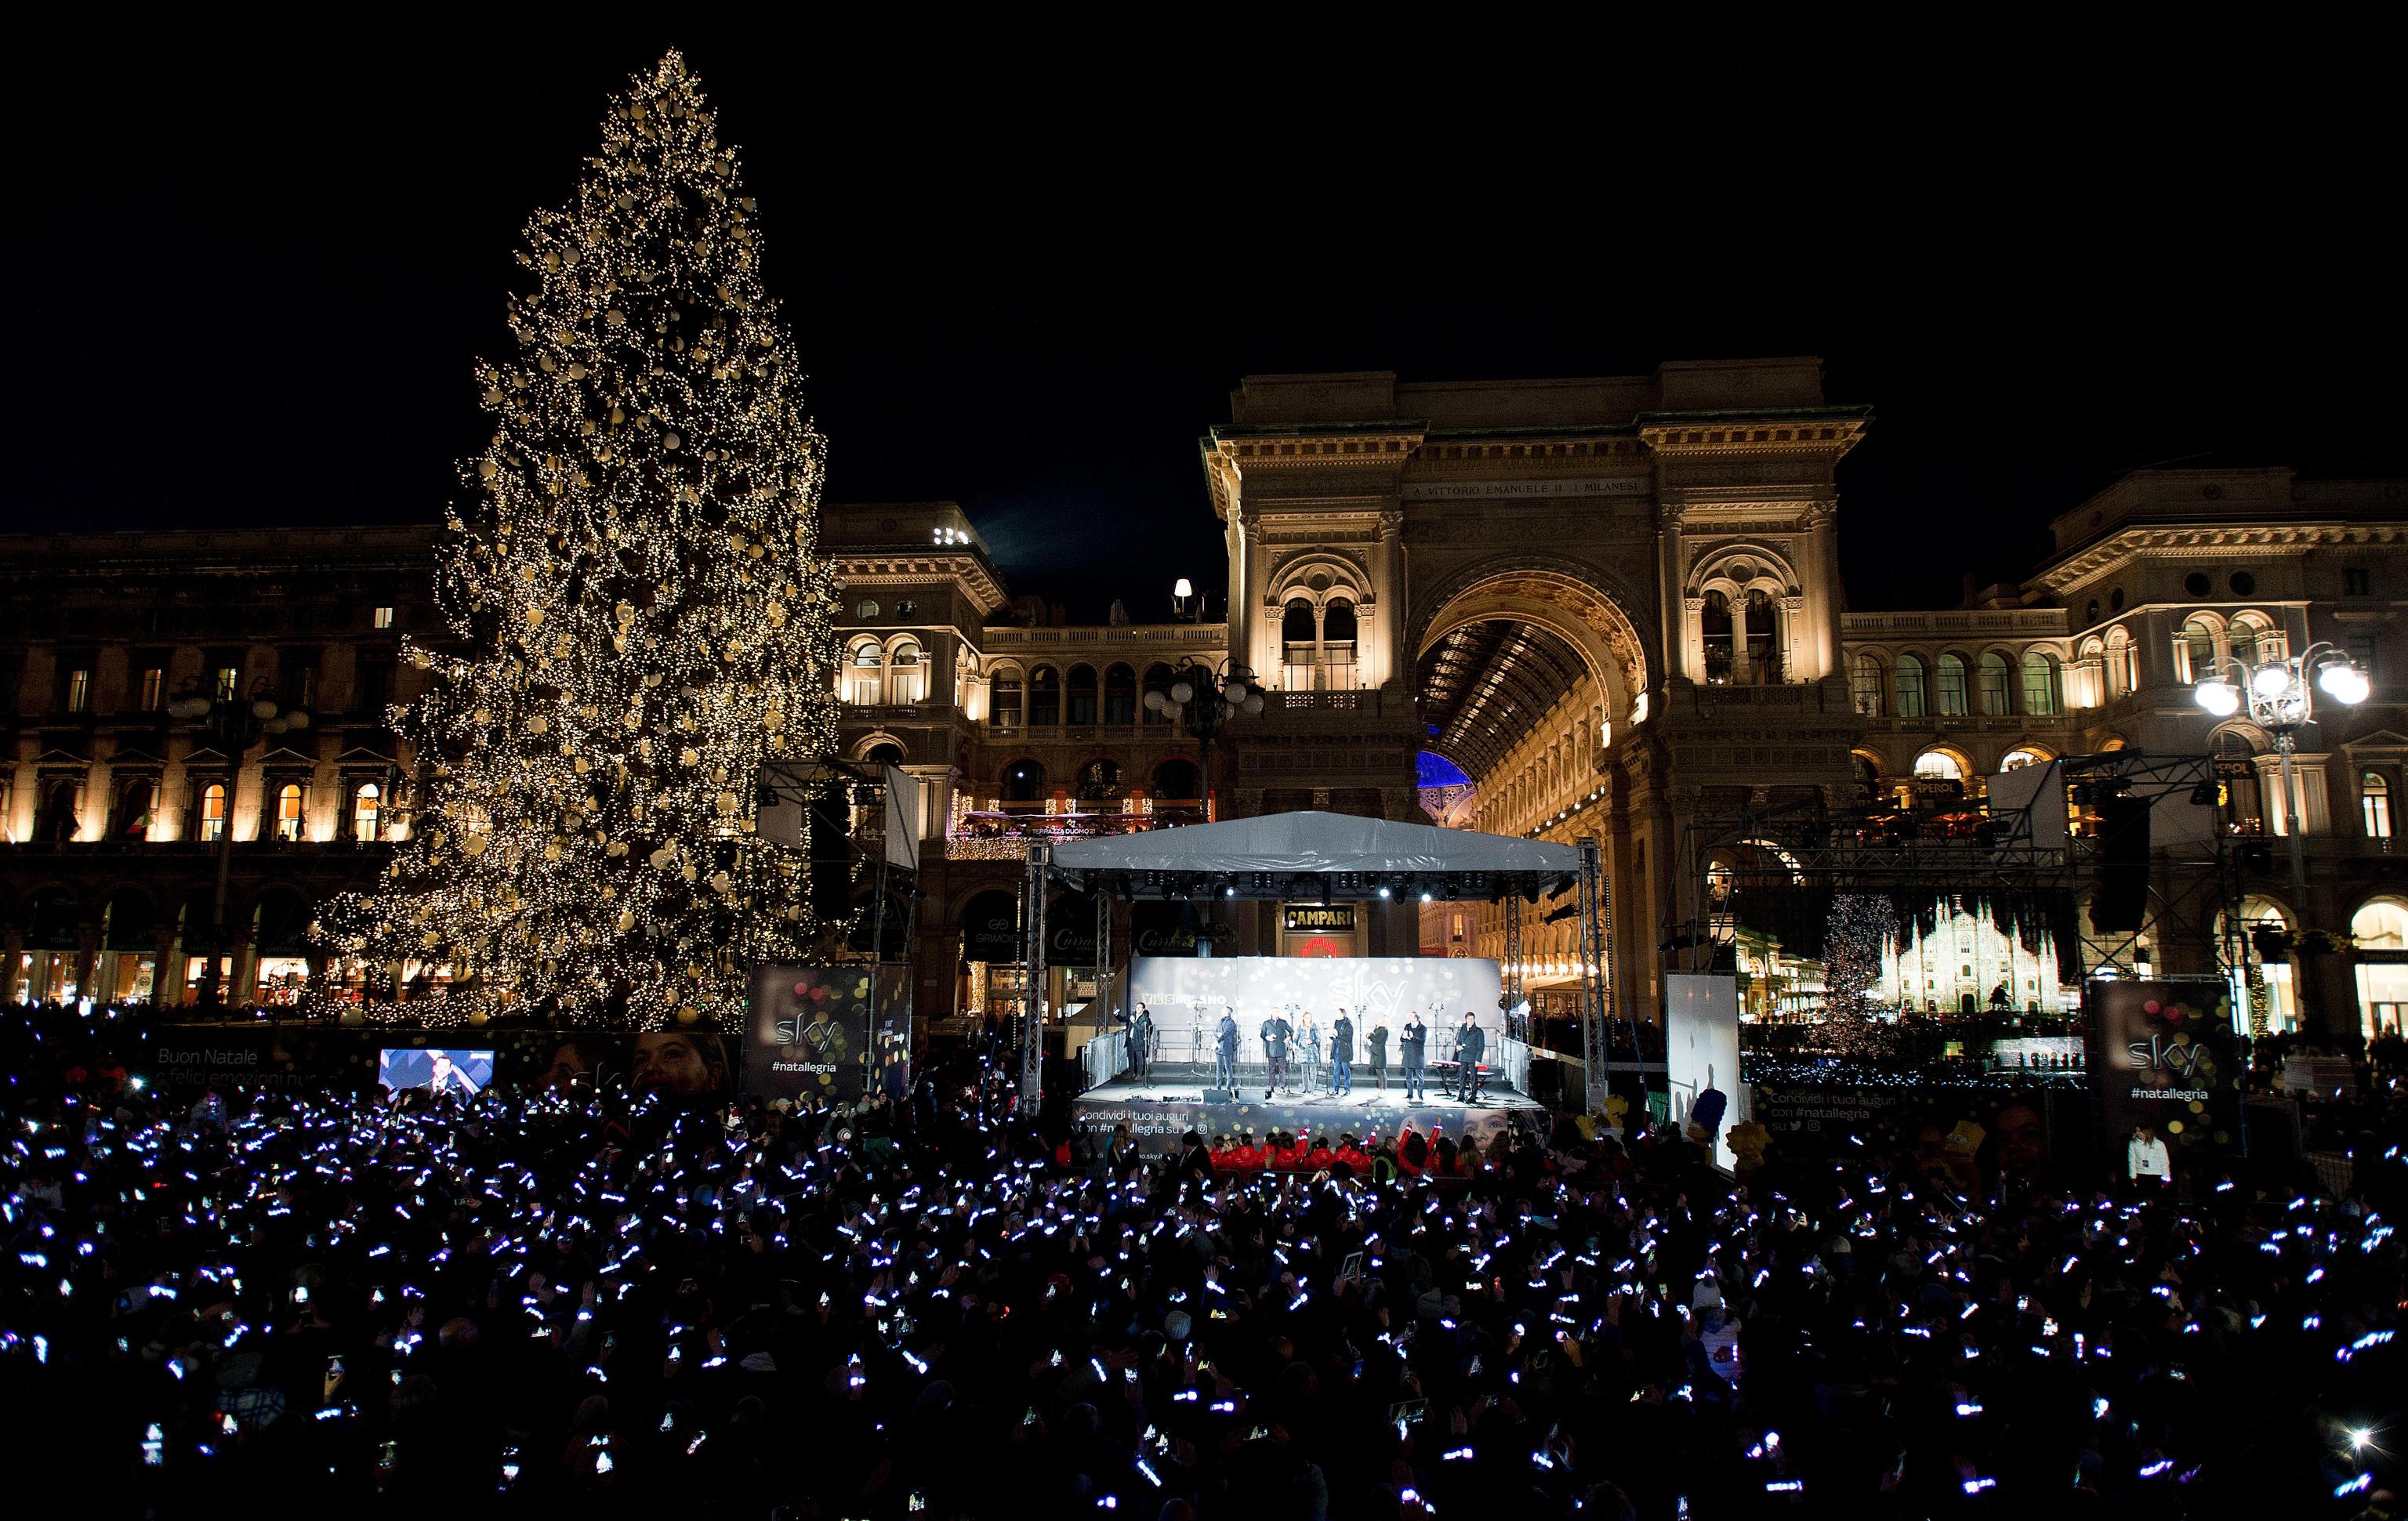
(1345, 857)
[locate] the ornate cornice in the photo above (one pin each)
(969, 572)
(2208, 541)
(1832, 431)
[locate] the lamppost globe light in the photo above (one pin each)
(1156, 702)
(2218, 696)
(1181, 693)
(1235, 692)
(1254, 702)
(2344, 684)
(2270, 681)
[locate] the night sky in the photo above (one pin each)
(252, 285)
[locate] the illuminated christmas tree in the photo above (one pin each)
(1856, 939)
(644, 614)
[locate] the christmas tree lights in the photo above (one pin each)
(1854, 944)
(642, 613)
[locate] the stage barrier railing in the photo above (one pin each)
(1103, 1059)
(1514, 1064)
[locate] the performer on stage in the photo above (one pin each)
(1141, 1033)
(1308, 1042)
(1342, 1055)
(1277, 1035)
(1224, 1051)
(1376, 1043)
(1411, 1046)
(1470, 1044)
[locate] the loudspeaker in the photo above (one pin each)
(1220, 1095)
(2122, 901)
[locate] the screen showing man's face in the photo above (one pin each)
(667, 1061)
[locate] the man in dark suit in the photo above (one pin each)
(1276, 1032)
(1412, 1046)
(1470, 1044)
(1341, 1055)
(1376, 1043)
(1224, 1052)
(1140, 1034)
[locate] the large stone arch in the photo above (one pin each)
(1577, 601)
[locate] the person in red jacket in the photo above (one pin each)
(1224, 1156)
(1249, 1158)
(1320, 1157)
(1286, 1153)
(1412, 1151)
(1354, 1156)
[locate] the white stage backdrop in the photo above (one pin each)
(1701, 1050)
(1368, 987)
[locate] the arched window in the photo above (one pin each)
(1007, 698)
(1177, 781)
(366, 805)
(1024, 781)
(1938, 766)
(1911, 699)
(2044, 684)
(1299, 645)
(213, 811)
(1157, 680)
(2380, 925)
(865, 681)
(1100, 781)
(1120, 695)
(1338, 644)
(885, 753)
(2195, 651)
(1865, 685)
(908, 682)
(2374, 803)
(287, 811)
(1044, 697)
(1994, 688)
(2015, 759)
(1763, 639)
(1083, 694)
(2123, 670)
(134, 803)
(1952, 686)
(1715, 617)
(1868, 771)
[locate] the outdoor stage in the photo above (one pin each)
(1158, 1112)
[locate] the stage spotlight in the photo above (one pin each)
(1384, 891)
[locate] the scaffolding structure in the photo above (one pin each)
(2020, 852)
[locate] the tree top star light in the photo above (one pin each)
(643, 617)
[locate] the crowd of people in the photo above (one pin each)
(610, 1299)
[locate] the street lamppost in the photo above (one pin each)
(1203, 699)
(2276, 693)
(235, 725)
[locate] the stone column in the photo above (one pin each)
(1791, 609)
(1693, 638)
